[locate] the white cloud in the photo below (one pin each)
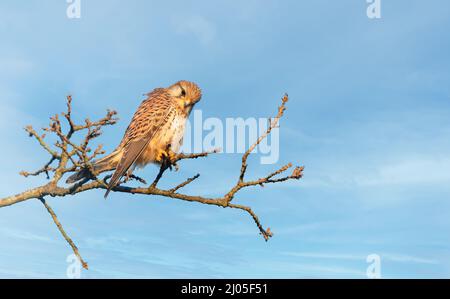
(324, 255)
(104, 241)
(305, 228)
(14, 66)
(410, 171)
(293, 269)
(196, 26)
(408, 259)
(400, 258)
(11, 116)
(403, 171)
(17, 234)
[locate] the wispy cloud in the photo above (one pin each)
(24, 235)
(414, 170)
(400, 258)
(424, 170)
(196, 26)
(297, 270)
(106, 241)
(14, 66)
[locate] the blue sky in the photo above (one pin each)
(369, 117)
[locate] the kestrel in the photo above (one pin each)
(154, 135)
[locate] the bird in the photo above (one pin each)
(154, 135)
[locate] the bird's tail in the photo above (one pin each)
(104, 164)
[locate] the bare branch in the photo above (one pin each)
(266, 233)
(187, 182)
(40, 139)
(183, 156)
(64, 234)
(72, 156)
(168, 164)
(273, 124)
(45, 169)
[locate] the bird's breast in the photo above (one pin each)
(170, 134)
(177, 132)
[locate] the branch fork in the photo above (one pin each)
(67, 156)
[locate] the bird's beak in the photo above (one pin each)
(190, 103)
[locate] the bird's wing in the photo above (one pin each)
(150, 117)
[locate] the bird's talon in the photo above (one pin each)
(161, 156)
(171, 157)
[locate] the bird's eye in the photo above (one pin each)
(183, 92)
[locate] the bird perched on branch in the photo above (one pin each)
(154, 135)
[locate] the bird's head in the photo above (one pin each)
(186, 93)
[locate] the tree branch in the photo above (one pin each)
(63, 233)
(73, 156)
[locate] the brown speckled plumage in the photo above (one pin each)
(156, 129)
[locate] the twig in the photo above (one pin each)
(267, 234)
(188, 181)
(44, 169)
(273, 124)
(64, 234)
